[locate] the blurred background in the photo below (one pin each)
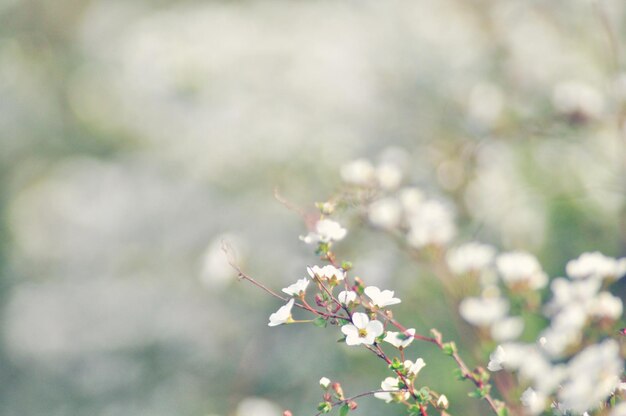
(135, 135)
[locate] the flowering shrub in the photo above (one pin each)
(573, 365)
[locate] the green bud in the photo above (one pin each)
(324, 407)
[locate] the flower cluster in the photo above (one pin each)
(573, 366)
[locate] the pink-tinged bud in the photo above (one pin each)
(287, 413)
(326, 397)
(622, 332)
(319, 301)
(338, 390)
(352, 405)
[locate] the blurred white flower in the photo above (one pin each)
(385, 213)
(483, 311)
(442, 402)
(577, 99)
(381, 298)
(592, 375)
(326, 231)
(520, 267)
(413, 368)
(282, 315)
(388, 176)
(297, 288)
(215, 271)
(507, 329)
(431, 223)
(400, 339)
(605, 305)
(255, 406)
(411, 199)
(534, 402)
(470, 257)
(497, 359)
(595, 265)
(362, 330)
(358, 172)
(390, 384)
(346, 297)
(485, 103)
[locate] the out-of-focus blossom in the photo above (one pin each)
(521, 268)
(326, 231)
(432, 223)
(258, 407)
(578, 100)
(470, 257)
(388, 176)
(385, 213)
(358, 172)
(596, 265)
(507, 329)
(483, 311)
(534, 402)
(592, 375)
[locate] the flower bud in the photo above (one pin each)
(338, 390)
(324, 382)
(287, 413)
(442, 402)
(352, 405)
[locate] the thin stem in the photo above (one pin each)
(349, 399)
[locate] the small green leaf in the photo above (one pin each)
(346, 265)
(320, 322)
(343, 411)
(449, 348)
(324, 407)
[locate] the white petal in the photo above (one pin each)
(375, 328)
(360, 320)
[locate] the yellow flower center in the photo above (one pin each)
(362, 333)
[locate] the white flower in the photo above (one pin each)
(605, 305)
(381, 298)
(483, 311)
(282, 315)
(496, 359)
(326, 231)
(324, 382)
(413, 368)
(388, 176)
(390, 384)
(400, 339)
(595, 265)
(471, 257)
(593, 374)
(297, 288)
(257, 407)
(431, 223)
(507, 329)
(358, 172)
(520, 267)
(411, 200)
(362, 330)
(577, 99)
(534, 402)
(442, 402)
(328, 272)
(346, 297)
(385, 213)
